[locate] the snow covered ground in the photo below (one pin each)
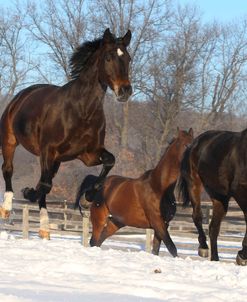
(63, 270)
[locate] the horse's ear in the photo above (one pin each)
(108, 36)
(191, 132)
(178, 130)
(126, 39)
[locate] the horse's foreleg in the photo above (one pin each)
(99, 216)
(7, 169)
(156, 244)
(92, 159)
(108, 230)
(219, 211)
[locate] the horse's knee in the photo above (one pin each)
(7, 168)
(44, 187)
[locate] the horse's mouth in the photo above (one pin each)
(122, 98)
(123, 93)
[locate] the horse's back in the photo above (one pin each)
(25, 98)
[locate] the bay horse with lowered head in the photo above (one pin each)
(217, 162)
(144, 202)
(62, 123)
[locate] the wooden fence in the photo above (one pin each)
(65, 220)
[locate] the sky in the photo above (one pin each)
(220, 10)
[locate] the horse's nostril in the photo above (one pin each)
(126, 89)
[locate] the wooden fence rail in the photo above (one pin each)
(65, 220)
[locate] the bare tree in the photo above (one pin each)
(173, 74)
(224, 75)
(58, 27)
(15, 59)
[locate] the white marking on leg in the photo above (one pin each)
(119, 52)
(7, 200)
(44, 219)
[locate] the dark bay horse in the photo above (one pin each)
(144, 202)
(217, 161)
(62, 123)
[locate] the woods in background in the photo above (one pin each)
(184, 72)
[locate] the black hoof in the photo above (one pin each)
(29, 194)
(240, 260)
(203, 252)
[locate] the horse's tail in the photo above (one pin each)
(86, 185)
(168, 203)
(183, 181)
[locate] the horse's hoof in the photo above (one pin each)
(44, 234)
(4, 213)
(29, 194)
(203, 252)
(240, 260)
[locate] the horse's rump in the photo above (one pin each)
(214, 157)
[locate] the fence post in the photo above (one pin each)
(85, 229)
(148, 244)
(65, 214)
(25, 222)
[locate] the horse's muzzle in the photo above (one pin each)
(124, 93)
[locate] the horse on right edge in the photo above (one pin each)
(217, 162)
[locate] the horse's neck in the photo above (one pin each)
(87, 90)
(167, 169)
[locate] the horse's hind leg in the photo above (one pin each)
(195, 188)
(43, 188)
(156, 244)
(242, 254)
(8, 150)
(161, 231)
(219, 211)
(48, 171)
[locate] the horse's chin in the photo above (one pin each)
(122, 98)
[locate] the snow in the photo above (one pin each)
(63, 270)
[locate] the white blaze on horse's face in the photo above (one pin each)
(119, 52)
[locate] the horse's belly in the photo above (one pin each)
(128, 208)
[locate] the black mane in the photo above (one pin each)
(81, 55)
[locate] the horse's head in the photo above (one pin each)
(184, 138)
(114, 65)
